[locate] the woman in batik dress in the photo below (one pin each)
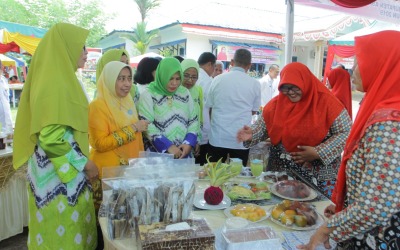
(51, 134)
(169, 108)
(308, 127)
(366, 214)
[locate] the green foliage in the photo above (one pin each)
(45, 13)
(145, 6)
(141, 38)
(166, 53)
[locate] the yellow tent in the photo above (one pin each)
(27, 43)
(6, 61)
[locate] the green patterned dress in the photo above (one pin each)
(61, 207)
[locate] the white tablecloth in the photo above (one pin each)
(13, 202)
(214, 218)
(13, 208)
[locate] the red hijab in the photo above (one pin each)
(306, 122)
(378, 56)
(339, 79)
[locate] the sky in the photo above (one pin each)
(126, 14)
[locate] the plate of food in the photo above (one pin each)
(249, 191)
(293, 190)
(201, 203)
(250, 212)
(273, 177)
(296, 215)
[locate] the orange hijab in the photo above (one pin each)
(378, 55)
(339, 79)
(306, 122)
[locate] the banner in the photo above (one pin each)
(258, 55)
(385, 10)
(93, 57)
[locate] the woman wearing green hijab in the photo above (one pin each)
(120, 55)
(190, 70)
(51, 133)
(169, 108)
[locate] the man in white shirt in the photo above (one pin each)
(206, 62)
(233, 98)
(269, 84)
(5, 110)
(219, 68)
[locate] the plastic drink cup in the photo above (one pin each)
(236, 165)
(256, 167)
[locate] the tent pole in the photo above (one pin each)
(289, 31)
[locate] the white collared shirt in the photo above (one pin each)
(269, 89)
(204, 81)
(232, 96)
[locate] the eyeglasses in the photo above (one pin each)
(286, 89)
(187, 77)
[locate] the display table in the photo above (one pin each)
(13, 197)
(214, 218)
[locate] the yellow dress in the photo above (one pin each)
(111, 146)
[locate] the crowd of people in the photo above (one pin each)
(190, 108)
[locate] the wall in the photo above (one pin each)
(196, 45)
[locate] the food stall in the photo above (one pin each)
(220, 218)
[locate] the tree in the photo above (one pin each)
(145, 6)
(141, 38)
(45, 13)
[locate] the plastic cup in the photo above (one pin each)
(236, 165)
(256, 167)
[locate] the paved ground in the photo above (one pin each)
(18, 242)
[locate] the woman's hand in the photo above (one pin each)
(329, 211)
(321, 236)
(141, 126)
(175, 151)
(306, 154)
(185, 148)
(244, 134)
(91, 170)
(197, 150)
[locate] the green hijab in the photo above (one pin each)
(196, 90)
(52, 93)
(109, 56)
(190, 63)
(165, 70)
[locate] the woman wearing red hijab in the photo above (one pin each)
(367, 191)
(308, 128)
(339, 83)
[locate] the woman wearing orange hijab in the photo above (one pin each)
(367, 191)
(339, 83)
(308, 128)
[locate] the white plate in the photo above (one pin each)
(312, 195)
(262, 177)
(199, 202)
(228, 214)
(318, 223)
